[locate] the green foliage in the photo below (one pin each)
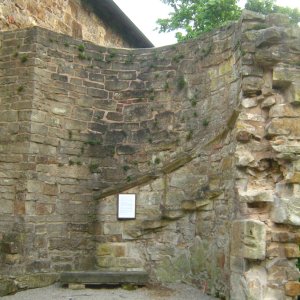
(82, 56)
(177, 58)
(81, 48)
(194, 17)
(20, 89)
(269, 6)
(93, 142)
(71, 162)
(157, 160)
(126, 168)
(193, 102)
(189, 135)
(93, 168)
(129, 59)
(24, 58)
(205, 122)
(181, 83)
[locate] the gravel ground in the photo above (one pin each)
(55, 292)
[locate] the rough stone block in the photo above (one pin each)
(252, 85)
(7, 286)
(252, 196)
(292, 289)
(284, 126)
(256, 279)
(284, 110)
(248, 239)
(286, 211)
(76, 286)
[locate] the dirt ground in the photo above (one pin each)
(56, 292)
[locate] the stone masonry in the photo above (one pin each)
(206, 133)
(71, 17)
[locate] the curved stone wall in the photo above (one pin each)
(200, 131)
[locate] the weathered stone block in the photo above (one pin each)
(248, 239)
(126, 149)
(292, 289)
(37, 280)
(96, 93)
(256, 279)
(284, 126)
(252, 85)
(286, 211)
(10, 247)
(7, 286)
(252, 196)
(76, 286)
(284, 110)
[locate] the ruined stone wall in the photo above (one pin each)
(265, 238)
(185, 127)
(71, 17)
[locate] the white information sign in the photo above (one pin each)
(126, 206)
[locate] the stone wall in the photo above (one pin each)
(70, 17)
(198, 131)
(265, 238)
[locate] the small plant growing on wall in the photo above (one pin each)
(166, 86)
(81, 48)
(189, 135)
(92, 142)
(181, 83)
(178, 57)
(157, 160)
(126, 168)
(193, 102)
(205, 122)
(129, 59)
(24, 58)
(93, 168)
(20, 89)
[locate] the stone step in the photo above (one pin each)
(101, 277)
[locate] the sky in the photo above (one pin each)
(144, 13)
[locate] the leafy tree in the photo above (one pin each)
(269, 6)
(194, 17)
(197, 16)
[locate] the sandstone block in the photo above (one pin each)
(292, 250)
(96, 93)
(248, 239)
(244, 158)
(36, 280)
(76, 286)
(116, 85)
(256, 279)
(270, 36)
(252, 85)
(284, 110)
(252, 196)
(284, 126)
(268, 102)
(292, 289)
(7, 286)
(249, 102)
(286, 211)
